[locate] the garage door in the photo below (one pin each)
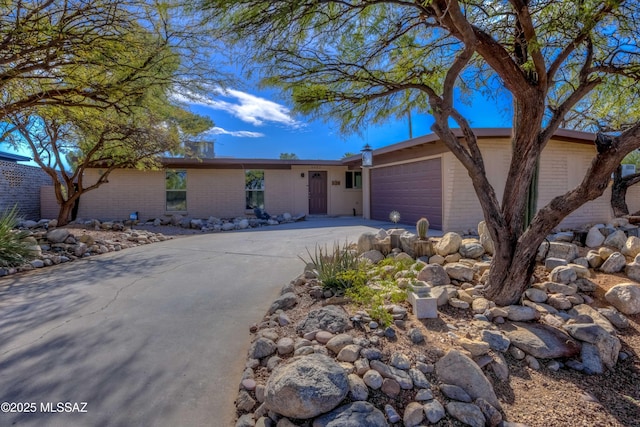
(413, 189)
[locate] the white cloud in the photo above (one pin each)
(239, 133)
(246, 107)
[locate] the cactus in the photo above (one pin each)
(422, 226)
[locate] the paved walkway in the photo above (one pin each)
(154, 335)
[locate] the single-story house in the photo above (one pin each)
(223, 187)
(421, 177)
(418, 177)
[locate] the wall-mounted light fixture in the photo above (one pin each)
(367, 156)
(302, 175)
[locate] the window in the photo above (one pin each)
(254, 189)
(176, 189)
(353, 179)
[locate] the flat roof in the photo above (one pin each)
(13, 157)
(233, 163)
(564, 134)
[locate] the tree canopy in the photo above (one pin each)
(359, 62)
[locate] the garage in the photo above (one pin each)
(413, 189)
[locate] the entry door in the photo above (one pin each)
(317, 192)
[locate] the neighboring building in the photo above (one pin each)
(226, 188)
(20, 185)
(421, 177)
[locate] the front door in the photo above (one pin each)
(317, 192)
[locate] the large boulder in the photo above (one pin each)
(625, 297)
(458, 369)
(306, 387)
(58, 235)
(541, 341)
(330, 318)
(594, 237)
(366, 242)
(449, 244)
(608, 345)
(614, 264)
(434, 275)
(631, 247)
(616, 239)
(356, 414)
(459, 271)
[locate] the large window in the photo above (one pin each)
(353, 179)
(254, 189)
(176, 189)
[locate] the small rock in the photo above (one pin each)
(352, 414)
(390, 387)
(413, 414)
(532, 362)
(416, 335)
(614, 264)
(455, 393)
(373, 379)
(400, 361)
(392, 415)
(467, 413)
(349, 353)
(424, 394)
(434, 411)
(357, 388)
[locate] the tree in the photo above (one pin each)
(622, 183)
(288, 156)
(368, 61)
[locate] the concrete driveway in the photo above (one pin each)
(151, 336)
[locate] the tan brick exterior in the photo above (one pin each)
(211, 192)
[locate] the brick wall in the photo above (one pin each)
(20, 184)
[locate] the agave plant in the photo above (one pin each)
(13, 250)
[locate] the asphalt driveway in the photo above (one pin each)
(151, 336)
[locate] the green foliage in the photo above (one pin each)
(288, 156)
(13, 250)
(337, 268)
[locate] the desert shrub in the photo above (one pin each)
(13, 250)
(337, 268)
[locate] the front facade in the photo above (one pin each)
(225, 188)
(421, 177)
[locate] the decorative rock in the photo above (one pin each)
(419, 379)
(625, 297)
(559, 288)
(373, 379)
(491, 414)
(563, 274)
(541, 341)
(460, 272)
(283, 302)
(480, 305)
(457, 369)
(520, 314)
(566, 251)
(594, 237)
(357, 388)
(467, 413)
(632, 271)
(496, 340)
(400, 361)
(330, 318)
(616, 240)
(448, 244)
(499, 367)
(582, 271)
(536, 295)
(262, 347)
(436, 259)
(390, 387)
(517, 353)
(476, 348)
(434, 411)
(608, 345)
(413, 414)
(392, 415)
(456, 393)
(245, 402)
(338, 342)
(559, 302)
(598, 318)
(349, 353)
(614, 264)
(306, 387)
(366, 242)
(361, 366)
(285, 346)
(471, 248)
(532, 362)
(245, 420)
(424, 394)
(591, 361)
(374, 256)
(434, 274)
(551, 263)
(352, 414)
(631, 247)
(323, 337)
(58, 235)
(585, 285)
(594, 259)
(618, 320)
(416, 335)
(458, 303)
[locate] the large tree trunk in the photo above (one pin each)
(619, 191)
(65, 212)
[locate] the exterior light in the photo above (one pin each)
(367, 156)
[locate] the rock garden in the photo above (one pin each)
(394, 330)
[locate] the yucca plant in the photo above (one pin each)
(332, 265)
(13, 250)
(422, 227)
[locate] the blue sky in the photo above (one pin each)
(257, 124)
(252, 123)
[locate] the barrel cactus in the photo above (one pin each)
(422, 226)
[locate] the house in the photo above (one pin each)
(421, 177)
(223, 187)
(418, 177)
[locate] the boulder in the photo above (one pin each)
(434, 275)
(354, 414)
(413, 414)
(594, 237)
(566, 251)
(358, 390)
(467, 413)
(541, 341)
(448, 244)
(262, 347)
(599, 319)
(434, 411)
(366, 242)
(407, 240)
(608, 345)
(563, 274)
(306, 387)
(330, 318)
(459, 271)
(471, 248)
(631, 247)
(616, 240)
(520, 314)
(284, 302)
(632, 270)
(625, 297)
(58, 235)
(594, 259)
(614, 263)
(374, 255)
(458, 369)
